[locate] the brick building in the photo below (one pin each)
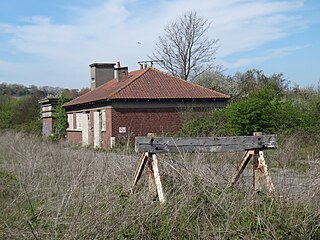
(124, 104)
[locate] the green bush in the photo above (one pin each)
(307, 102)
(21, 114)
(61, 123)
(213, 124)
(263, 111)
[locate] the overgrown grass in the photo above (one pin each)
(49, 192)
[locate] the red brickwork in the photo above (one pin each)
(105, 141)
(139, 122)
(47, 126)
(74, 137)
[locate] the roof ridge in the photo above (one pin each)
(129, 83)
(67, 103)
(178, 78)
(210, 89)
(89, 92)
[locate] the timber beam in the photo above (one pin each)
(204, 144)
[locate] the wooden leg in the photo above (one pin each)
(151, 180)
(157, 178)
(139, 170)
(257, 174)
(264, 171)
(243, 164)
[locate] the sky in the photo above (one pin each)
(52, 43)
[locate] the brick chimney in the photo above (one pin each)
(101, 73)
(121, 72)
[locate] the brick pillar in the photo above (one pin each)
(48, 106)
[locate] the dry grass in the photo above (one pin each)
(50, 192)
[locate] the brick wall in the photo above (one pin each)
(47, 126)
(139, 122)
(74, 137)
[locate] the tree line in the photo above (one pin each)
(258, 103)
(19, 106)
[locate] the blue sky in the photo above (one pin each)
(51, 43)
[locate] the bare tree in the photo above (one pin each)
(185, 48)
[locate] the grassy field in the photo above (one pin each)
(52, 191)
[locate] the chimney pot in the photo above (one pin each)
(121, 72)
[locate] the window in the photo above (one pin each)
(79, 121)
(70, 120)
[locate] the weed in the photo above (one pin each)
(50, 192)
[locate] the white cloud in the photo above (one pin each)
(254, 61)
(110, 32)
(37, 20)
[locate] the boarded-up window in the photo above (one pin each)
(79, 121)
(70, 120)
(103, 120)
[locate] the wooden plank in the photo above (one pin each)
(157, 178)
(244, 162)
(151, 181)
(257, 174)
(204, 144)
(262, 166)
(138, 172)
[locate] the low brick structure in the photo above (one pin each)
(133, 104)
(48, 108)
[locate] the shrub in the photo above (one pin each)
(22, 114)
(61, 123)
(212, 124)
(263, 111)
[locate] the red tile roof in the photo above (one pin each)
(148, 83)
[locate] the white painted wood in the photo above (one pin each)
(47, 114)
(85, 129)
(47, 108)
(103, 120)
(78, 121)
(112, 142)
(97, 129)
(70, 120)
